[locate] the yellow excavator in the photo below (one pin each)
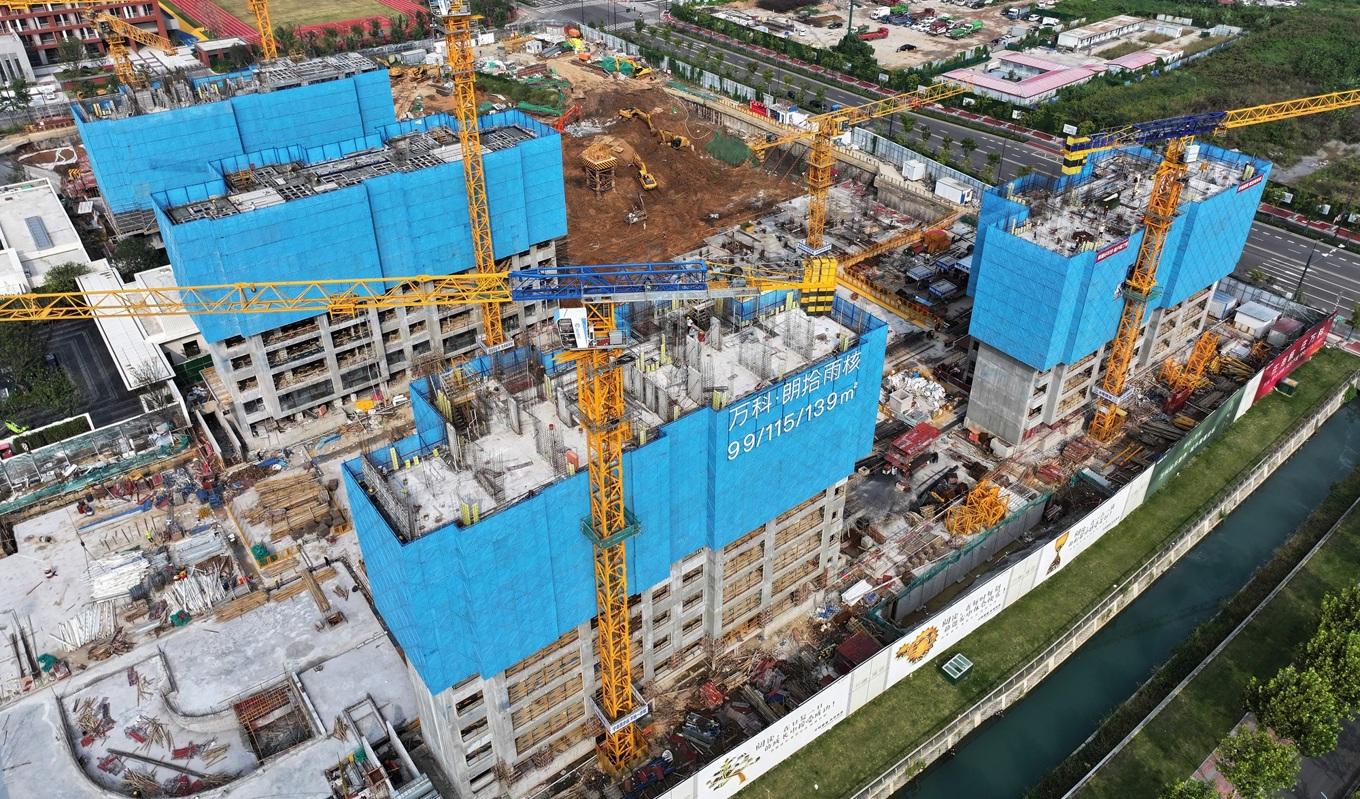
(646, 178)
(675, 140)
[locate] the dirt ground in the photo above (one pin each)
(693, 184)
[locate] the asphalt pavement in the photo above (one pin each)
(81, 353)
(1332, 278)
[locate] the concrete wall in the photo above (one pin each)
(1044, 308)
(688, 488)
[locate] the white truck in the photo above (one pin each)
(882, 12)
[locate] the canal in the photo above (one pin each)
(1006, 758)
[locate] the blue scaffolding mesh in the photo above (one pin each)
(398, 224)
(477, 599)
(135, 157)
(1045, 308)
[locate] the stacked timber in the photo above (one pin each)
(294, 505)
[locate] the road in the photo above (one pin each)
(1333, 276)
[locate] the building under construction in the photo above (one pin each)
(747, 418)
(302, 171)
(1050, 260)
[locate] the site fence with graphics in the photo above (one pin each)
(725, 776)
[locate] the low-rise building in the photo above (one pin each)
(35, 235)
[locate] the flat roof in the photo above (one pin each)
(1134, 60)
(275, 184)
(161, 329)
(1027, 88)
(36, 230)
(1104, 26)
(140, 362)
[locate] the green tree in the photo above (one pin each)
(62, 277)
(134, 254)
(1188, 789)
(1354, 321)
(924, 134)
(1257, 276)
(375, 29)
(1258, 765)
(71, 52)
(968, 145)
(18, 96)
(1341, 610)
(1298, 705)
(908, 123)
(638, 25)
(1337, 655)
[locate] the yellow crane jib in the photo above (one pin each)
(1077, 148)
(819, 137)
(116, 32)
(1176, 134)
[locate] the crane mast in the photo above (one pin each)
(821, 156)
(599, 387)
(1174, 134)
(461, 59)
(269, 46)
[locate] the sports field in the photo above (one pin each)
(308, 12)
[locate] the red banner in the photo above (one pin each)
(1293, 355)
(1113, 249)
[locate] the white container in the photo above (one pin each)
(914, 170)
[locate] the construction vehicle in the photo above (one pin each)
(1175, 134)
(880, 33)
(674, 140)
(572, 113)
(593, 342)
(646, 178)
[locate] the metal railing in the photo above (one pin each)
(1076, 634)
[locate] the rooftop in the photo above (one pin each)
(35, 235)
(1105, 25)
(518, 431)
(201, 85)
(273, 184)
(140, 360)
(1090, 214)
(1025, 89)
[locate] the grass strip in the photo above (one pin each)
(872, 740)
(1174, 744)
(1201, 642)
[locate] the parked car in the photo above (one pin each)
(905, 48)
(836, 25)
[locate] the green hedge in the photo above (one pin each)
(61, 431)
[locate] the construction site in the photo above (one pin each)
(598, 454)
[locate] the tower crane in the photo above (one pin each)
(820, 140)
(1174, 134)
(269, 45)
(116, 33)
(594, 345)
(461, 59)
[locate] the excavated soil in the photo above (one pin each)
(693, 184)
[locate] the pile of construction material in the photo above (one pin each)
(294, 505)
(914, 398)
